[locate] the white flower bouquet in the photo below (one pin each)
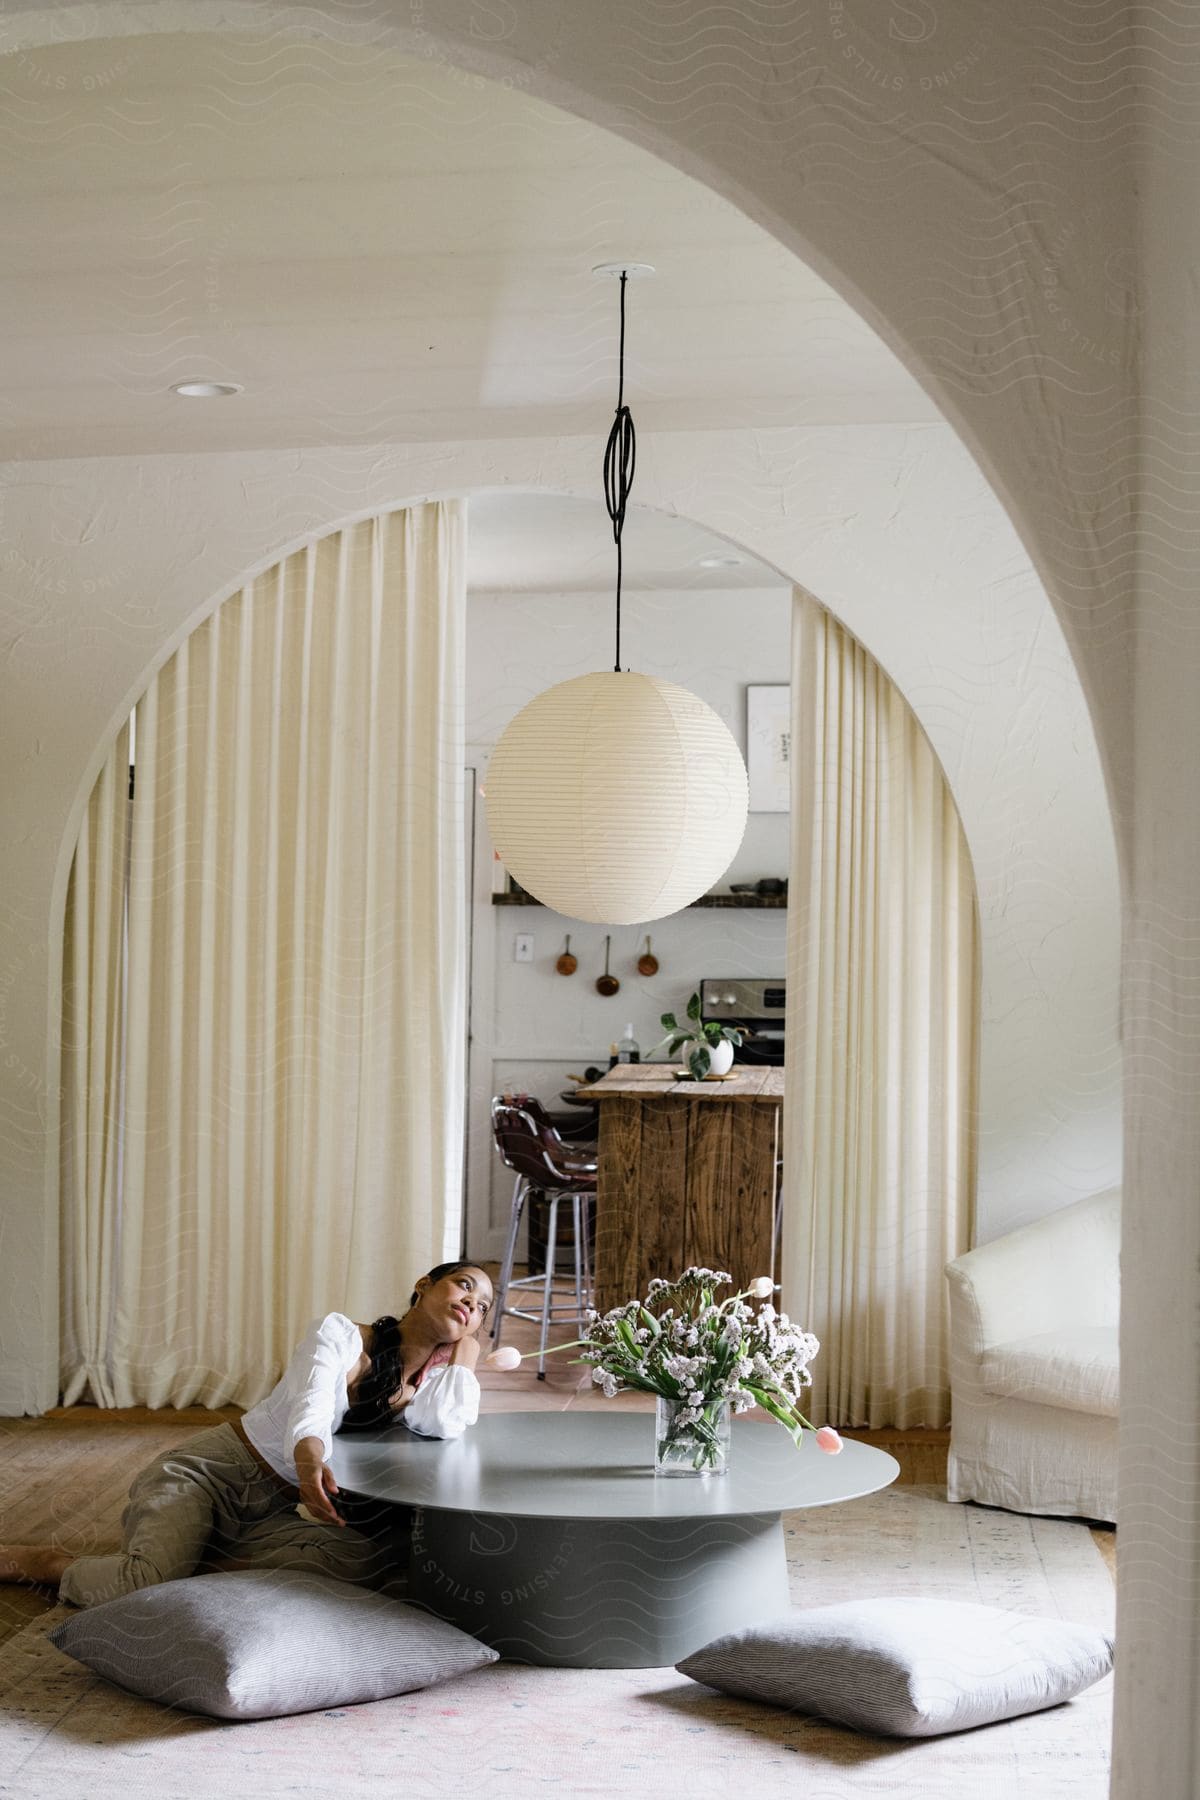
(702, 1357)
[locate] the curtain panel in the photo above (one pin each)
(294, 1031)
(93, 1023)
(882, 1045)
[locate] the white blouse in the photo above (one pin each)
(310, 1400)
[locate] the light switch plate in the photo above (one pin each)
(523, 947)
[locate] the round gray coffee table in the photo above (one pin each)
(549, 1536)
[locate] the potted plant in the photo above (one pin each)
(711, 1044)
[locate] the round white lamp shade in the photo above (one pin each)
(616, 798)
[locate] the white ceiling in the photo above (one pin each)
(379, 249)
(549, 544)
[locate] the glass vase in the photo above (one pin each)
(694, 1446)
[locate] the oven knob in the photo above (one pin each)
(731, 999)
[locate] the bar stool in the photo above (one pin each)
(581, 1126)
(580, 1131)
(543, 1163)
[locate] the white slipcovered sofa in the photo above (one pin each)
(1033, 1365)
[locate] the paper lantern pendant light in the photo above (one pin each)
(616, 797)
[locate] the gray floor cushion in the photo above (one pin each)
(906, 1667)
(262, 1643)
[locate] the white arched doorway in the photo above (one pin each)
(1017, 758)
(663, 621)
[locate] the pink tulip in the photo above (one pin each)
(504, 1358)
(828, 1440)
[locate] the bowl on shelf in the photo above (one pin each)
(768, 888)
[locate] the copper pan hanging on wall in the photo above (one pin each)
(647, 964)
(607, 984)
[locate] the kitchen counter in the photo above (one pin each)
(687, 1173)
(642, 1079)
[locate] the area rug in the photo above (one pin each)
(512, 1730)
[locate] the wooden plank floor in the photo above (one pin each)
(67, 1474)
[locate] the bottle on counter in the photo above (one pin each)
(628, 1050)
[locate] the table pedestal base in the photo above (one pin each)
(598, 1593)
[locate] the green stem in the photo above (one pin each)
(553, 1349)
(702, 1432)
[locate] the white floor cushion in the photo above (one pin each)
(906, 1667)
(1077, 1369)
(261, 1643)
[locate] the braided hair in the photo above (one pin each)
(385, 1376)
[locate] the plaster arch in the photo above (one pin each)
(800, 110)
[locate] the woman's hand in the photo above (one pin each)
(466, 1352)
(316, 1480)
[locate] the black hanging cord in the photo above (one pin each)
(620, 454)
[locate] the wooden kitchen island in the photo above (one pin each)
(687, 1174)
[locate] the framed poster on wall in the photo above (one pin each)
(769, 747)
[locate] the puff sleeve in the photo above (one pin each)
(446, 1402)
(316, 1378)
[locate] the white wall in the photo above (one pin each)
(530, 1026)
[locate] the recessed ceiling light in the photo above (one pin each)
(721, 562)
(205, 390)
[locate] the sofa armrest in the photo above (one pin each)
(1061, 1270)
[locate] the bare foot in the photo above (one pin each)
(39, 1563)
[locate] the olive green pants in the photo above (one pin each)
(210, 1498)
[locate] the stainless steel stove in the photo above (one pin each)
(759, 1002)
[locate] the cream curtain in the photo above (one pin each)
(296, 982)
(93, 997)
(882, 1045)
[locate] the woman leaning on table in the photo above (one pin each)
(260, 1490)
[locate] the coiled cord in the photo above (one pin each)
(620, 456)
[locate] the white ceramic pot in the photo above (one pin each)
(720, 1059)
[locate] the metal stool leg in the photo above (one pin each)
(510, 1250)
(548, 1289)
(588, 1290)
(576, 1207)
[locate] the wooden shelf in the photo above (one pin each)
(740, 902)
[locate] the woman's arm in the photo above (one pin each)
(326, 1353)
(316, 1483)
(447, 1400)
